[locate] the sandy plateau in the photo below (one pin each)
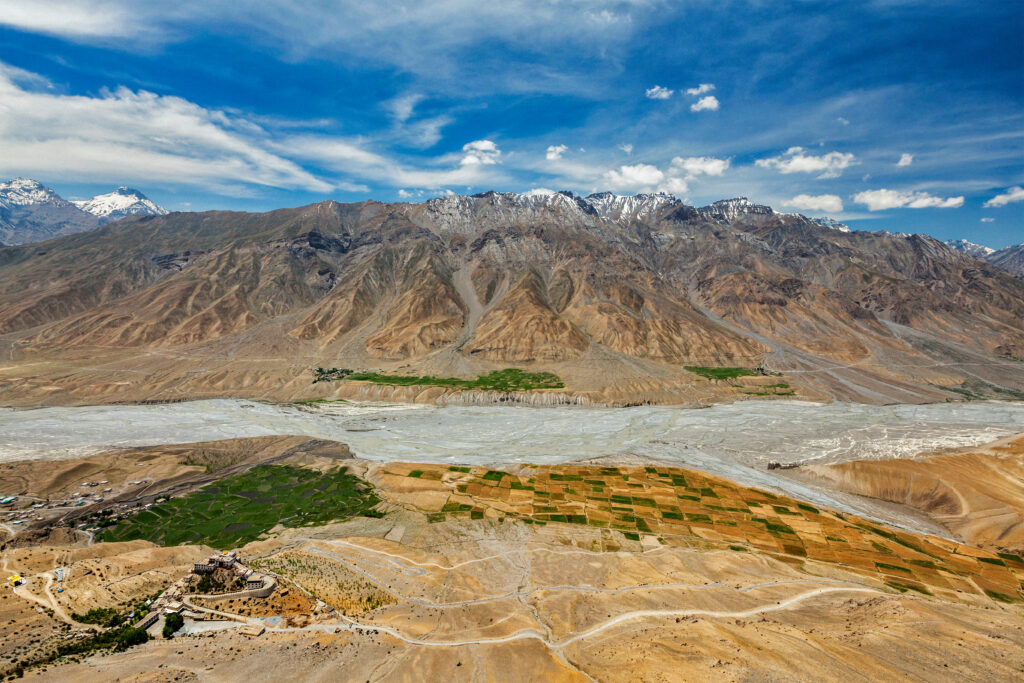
(529, 572)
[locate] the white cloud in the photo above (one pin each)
(823, 202)
(627, 148)
(709, 103)
(843, 121)
(608, 17)
(483, 152)
(422, 37)
(423, 133)
(125, 136)
(1014, 194)
(879, 200)
(402, 107)
(700, 89)
(658, 93)
(539, 192)
(636, 177)
(905, 160)
(135, 135)
(555, 152)
(77, 19)
(674, 180)
(796, 160)
(695, 166)
(987, 220)
(404, 194)
(674, 186)
(350, 158)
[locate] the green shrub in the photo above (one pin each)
(510, 379)
(719, 373)
(172, 624)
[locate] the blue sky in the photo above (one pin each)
(887, 114)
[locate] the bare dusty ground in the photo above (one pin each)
(977, 493)
(510, 602)
(574, 573)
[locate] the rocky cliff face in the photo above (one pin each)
(615, 294)
(1010, 259)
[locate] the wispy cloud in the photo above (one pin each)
(76, 19)
(1014, 194)
(140, 136)
(879, 200)
(797, 160)
(829, 203)
(700, 89)
(905, 160)
(135, 134)
(659, 93)
(420, 37)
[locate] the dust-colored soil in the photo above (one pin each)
(136, 476)
(38, 615)
(572, 573)
(976, 493)
(285, 602)
(157, 467)
(498, 601)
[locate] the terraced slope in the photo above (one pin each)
(677, 507)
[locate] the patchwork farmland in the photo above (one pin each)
(673, 506)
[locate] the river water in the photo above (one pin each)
(748, 432)
(735, 441)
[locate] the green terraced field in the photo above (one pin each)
(510, 379)
(719, 373)
(237, 509)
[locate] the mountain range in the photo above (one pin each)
(1009, 258)
(32, 212)
(616, 295)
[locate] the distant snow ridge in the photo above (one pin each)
(124, 201)
(635, 207)
(23, 192)
(831, 224)
(731, 209)
(970, 248)
(459, 211)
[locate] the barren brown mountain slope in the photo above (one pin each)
(616, 295)
(1009, 258)
(977, 493)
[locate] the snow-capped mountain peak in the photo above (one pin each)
(731, 209)
(124, 201)
(619, 207)
(23, 192)
(831, 224)
(970, 248)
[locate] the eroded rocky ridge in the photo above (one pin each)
(615, 294)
